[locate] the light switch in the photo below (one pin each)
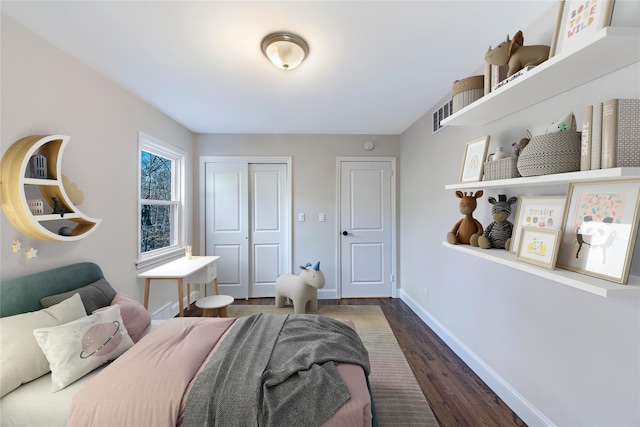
(300, 217)
(322, 217)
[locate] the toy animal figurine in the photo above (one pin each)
(517, 147)
(57, 207)
(468, 229)
(498, 233)
(517, 56)
(301, 289)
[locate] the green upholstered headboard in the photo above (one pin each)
(23, 294)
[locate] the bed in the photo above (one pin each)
(179, 372)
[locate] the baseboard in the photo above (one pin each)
(517, 403)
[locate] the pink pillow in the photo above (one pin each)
(136, 318)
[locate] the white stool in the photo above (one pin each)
(214, 302)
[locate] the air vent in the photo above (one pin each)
(440, 114)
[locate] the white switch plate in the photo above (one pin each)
(322, 217)
(301, 217)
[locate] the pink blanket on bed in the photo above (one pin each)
(149, 384)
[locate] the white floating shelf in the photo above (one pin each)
(600, 287)
(549, 180)
(610, 49)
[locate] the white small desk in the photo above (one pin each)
(198, 269)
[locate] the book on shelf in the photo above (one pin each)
(620, 133)
(585, 138)
(596, 136)
(507, 80)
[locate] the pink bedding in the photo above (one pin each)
(149, 384)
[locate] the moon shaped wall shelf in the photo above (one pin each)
(17, 188)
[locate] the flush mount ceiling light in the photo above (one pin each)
(285, 50)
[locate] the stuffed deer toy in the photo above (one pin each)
(468, 229)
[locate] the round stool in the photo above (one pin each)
(214, 302)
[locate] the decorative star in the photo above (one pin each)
(16, 245)
(31, 252)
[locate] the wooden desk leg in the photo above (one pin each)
(181, 297)
(188, 296)
(147, 281)
(215, 284)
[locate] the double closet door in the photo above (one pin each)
(247, 222)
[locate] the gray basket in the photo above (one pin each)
(501, 169)
(551, 153)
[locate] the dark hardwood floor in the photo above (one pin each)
(457, 395)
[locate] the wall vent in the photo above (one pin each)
(440, 114)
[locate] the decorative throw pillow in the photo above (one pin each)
(21, 359)
(136, 318)
(95, 295)
(77, 348)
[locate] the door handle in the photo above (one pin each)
(345, 233)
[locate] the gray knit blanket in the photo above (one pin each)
(275, 370)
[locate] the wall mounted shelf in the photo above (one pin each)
(610, 49)
(583, 282)
(551, 180)
(15, 187)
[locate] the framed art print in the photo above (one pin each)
(539, 246)
(473, 163)
(599, 228)
(537, 212)
(578, 20)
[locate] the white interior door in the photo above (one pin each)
(366, 229)
(227, 225)
(247, 223)
(269, 232)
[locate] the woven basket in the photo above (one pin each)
(501, 169)
(551, 153)
(466, 91)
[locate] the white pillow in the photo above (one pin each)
(21, 359)
(77, 348)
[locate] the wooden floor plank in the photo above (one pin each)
(457, 395)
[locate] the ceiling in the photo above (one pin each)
(374, 67)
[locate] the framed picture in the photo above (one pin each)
(537, 212)
(599, 228)
(578, 20)
(474, 154)
(539, 246)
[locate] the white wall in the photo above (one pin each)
(314, 185)
(46, 91)
(556, 354)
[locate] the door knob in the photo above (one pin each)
(344, 233)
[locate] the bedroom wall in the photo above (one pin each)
(314, 184)
(557, 355)
(46, 91)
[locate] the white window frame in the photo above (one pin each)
(179, 158)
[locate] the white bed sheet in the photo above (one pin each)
(35, 404)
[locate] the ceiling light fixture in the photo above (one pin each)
(285, 50)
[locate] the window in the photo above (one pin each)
(161, 196)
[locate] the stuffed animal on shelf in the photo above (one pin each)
(513, 53)
(517, 147)
(498, 233)
(468, 229)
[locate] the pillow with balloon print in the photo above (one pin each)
(78, 347)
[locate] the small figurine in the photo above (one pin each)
(57, 207)
(513, 53)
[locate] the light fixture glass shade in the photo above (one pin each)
(285, 50)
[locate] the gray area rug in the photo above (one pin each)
(398, 399)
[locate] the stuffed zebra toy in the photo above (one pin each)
(498, 233)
